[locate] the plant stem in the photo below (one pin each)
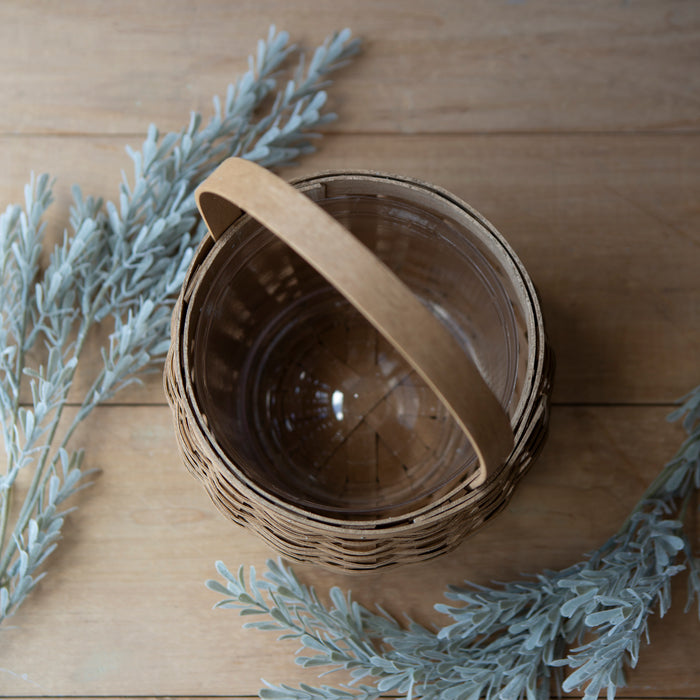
(38, 480)
(655, 488)
(118, 261)
(7, 494)
(20, 364)
(4, 519)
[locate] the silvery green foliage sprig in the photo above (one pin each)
(123, 261)
(577, 628)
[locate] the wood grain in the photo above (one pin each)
(441, 66)
(123, 610)
(573, 127)
(607, 227)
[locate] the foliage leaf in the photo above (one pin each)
(510, 640)
(122, 263)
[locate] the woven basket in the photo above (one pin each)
(358, 370)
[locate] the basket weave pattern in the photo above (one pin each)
(358, 545)
(361, 545)
(428, 528)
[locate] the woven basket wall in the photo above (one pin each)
(422, 529)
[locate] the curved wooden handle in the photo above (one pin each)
(367, 283)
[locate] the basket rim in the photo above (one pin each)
(523, 281)
(455, 496)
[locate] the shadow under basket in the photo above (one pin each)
(338, 387)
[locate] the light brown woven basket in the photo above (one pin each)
(361, 379)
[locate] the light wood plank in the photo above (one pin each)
(608, 228)
(123, 610)
(606, 225)
(443, 66)
(469, 96)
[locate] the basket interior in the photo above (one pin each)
(306, 399)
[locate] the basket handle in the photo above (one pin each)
(375, 291)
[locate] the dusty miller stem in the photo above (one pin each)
(127, 263)
(38, 480)
(38, 198)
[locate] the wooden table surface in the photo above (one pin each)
(573, 127)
